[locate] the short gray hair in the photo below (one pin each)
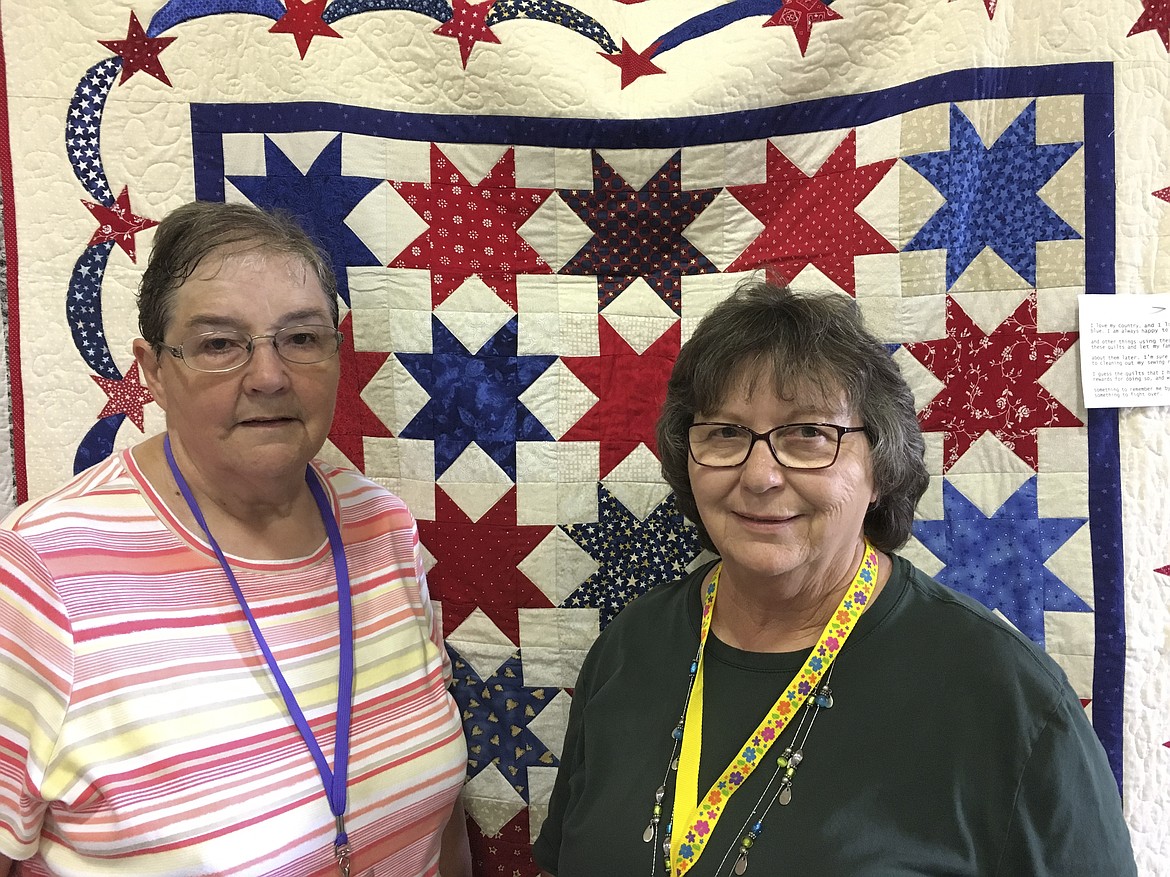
(189, 234)
(811, 343)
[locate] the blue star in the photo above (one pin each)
(474, 397)
(991, 195)
(496, 712)
(320, 200)
(633, 555)
(1000, 560)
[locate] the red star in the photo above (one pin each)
(992, 382)
(1164, 194)
(473, 230)
(1164, 570)
(1156, 17)
(476, 563)
(304, 21)
(353, 418)
(990, 6)
(801, 15)
(813, 220)
(630, 388)
(139, 52)
(1085, 701)
(634, 64)
(118, 223)
(126, 396)
(468, 25)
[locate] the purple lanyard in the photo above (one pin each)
(334, 781)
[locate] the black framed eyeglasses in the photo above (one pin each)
(226, 350)
(793, 445)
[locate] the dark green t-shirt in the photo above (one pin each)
(955, 746)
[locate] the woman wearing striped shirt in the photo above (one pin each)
(217, 652)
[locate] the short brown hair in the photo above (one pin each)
(188, 234)
(811, 343)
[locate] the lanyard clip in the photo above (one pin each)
(341, 852)
(341, 848)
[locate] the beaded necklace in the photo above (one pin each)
(682, 850)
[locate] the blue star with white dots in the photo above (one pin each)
(992, 195)
(632, 555)
(999, 560)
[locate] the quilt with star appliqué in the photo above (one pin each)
(531, 203)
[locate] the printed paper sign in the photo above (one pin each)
(1125, 350)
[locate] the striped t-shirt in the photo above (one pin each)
(141, 731)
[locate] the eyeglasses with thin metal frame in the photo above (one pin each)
(226, 350)
(718, 445)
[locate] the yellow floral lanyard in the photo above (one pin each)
(698, 822)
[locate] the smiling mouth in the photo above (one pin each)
(765, 519)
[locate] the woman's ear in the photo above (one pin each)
(150, 367)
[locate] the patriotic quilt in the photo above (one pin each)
(530, 204)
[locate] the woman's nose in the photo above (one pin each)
(266, 370)
(760, 470)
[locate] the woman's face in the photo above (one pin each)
(269, 417)
(770, 523)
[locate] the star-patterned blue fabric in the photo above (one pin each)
(84, 309)
(638, 233)
(992, 195)
(475, 397)
(496, 712)
(83, 128)
(632, 555)
(439, 10)
(320, 200)
(999, 560)
(554, 12)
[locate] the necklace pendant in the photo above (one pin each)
(785, 796)
(674, 764)
(823, 698)
(655, 815)
(741, 862)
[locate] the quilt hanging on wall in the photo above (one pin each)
(531, 203)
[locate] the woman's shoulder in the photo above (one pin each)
(960, 631)
(102, 491)
(356, 490)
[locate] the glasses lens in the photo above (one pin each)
(805, 445)
(719, 444)
(306, 344)
(216, 351)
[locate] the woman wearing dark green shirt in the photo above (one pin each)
(811, 703)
